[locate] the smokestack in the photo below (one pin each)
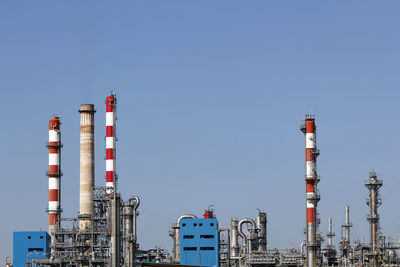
(54, 173)
(111, 102)
(86, 163)
(312, 196)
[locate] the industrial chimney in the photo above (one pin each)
(54, 175)
(111, 102)
(312, 196)
(86, 163)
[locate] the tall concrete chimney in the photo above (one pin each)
(86, 163)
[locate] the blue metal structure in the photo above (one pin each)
(30, 245)
(199, 242)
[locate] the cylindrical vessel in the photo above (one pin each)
(234, 238)
(111, 102)
(312, 197)
(54, 173)
(86, 163)
(128, 232)
(177, 241)
(175, 228)
(261, 223)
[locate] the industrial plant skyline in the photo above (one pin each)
(208, 110)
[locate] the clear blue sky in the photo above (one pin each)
(210, 98)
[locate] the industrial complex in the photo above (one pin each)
(105, 231)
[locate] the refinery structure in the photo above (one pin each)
(105, 232)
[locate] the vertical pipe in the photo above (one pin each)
(312, 196)
(234, 238)
(111, 102)
(261, 223)
(131, 235)
(54, 175)
(86, 163)
(247, 242)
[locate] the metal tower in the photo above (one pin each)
(373, 185)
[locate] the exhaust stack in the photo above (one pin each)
(54, 174)
(312, 196)
(86, 163)
(111, 102)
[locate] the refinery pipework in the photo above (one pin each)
(105, 232)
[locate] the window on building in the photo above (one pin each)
(188, 236)
(35, 249)
(207, 248)
(211, 224)
(207, 236)
(29, 237)
(189, 248)
(41, 237)
(195, 224)
(183, 224)
(200, 224)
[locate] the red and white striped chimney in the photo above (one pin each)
(111, 102)
(312, 196)
(54, 172)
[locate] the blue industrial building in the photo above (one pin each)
(199, 241)
(29, 245)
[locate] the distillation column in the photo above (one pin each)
(312, 196)
(235, 248)
(373, 184)
(345, 248)
(130, 213)
(111, 102)
(54, 175)
(330, 234)
(347, 225)
(261, 224)
(330, 249)
(86, 164)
